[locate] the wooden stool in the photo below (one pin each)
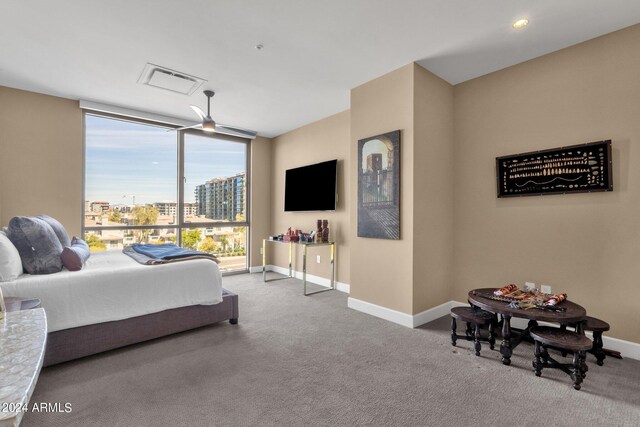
(474, 318)
(596, 326)
(545, 336)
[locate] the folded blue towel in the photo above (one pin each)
(165, 251)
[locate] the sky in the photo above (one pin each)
(125, 159)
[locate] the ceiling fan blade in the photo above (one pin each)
(199, 112)
(196, 126)
(230, 130)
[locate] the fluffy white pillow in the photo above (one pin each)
(10, 263)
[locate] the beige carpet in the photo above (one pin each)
(309, 361)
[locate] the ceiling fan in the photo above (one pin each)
(209, 125)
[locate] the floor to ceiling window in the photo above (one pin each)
(145, 184)
(215, 190)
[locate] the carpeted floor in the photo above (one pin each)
(311, 361)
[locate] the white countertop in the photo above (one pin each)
(23, 335)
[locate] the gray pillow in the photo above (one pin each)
(57, 228)
(37, 244)
(74, 256)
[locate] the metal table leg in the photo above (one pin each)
(264, 260)
(332, 284)
(291, 259)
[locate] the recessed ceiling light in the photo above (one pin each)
(520, 23)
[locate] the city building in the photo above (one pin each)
(221, 198)
(99, 206)
(169, 208)
(190, 209)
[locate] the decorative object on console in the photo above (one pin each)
(581, 168)
(291, 236)
(305, 237)
(325, 231)
(379, 186)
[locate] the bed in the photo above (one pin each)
(115, 301)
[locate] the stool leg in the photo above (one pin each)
(597, 348)
(505, 346)
(563, 327)
(492, 337)
(576, 374)
(453, 331)
(545, 353)
(476, 340)
(469, 332)
(537, 362)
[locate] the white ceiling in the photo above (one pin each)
(314, 52)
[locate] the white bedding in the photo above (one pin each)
(112, 286)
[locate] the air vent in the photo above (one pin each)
(168, 79)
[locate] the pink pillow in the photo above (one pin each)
(74, 256)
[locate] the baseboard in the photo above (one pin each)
(394, 316)
(317, 280)
(404, 319)
(434, 313)
(626, 348)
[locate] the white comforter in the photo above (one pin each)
(112, 286)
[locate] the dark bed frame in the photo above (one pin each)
(74, 343)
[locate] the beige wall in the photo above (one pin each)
(414, 273)
(323, 140)
(585, 244)
(433, 190)
(382, 270)
(41, 162)
(260, 220)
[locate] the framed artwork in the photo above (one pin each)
(379, 186)
(581, 168)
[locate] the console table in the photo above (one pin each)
(23, 335)
(305, 246)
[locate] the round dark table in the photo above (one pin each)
(573, 313)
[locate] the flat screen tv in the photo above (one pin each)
(311, 188)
